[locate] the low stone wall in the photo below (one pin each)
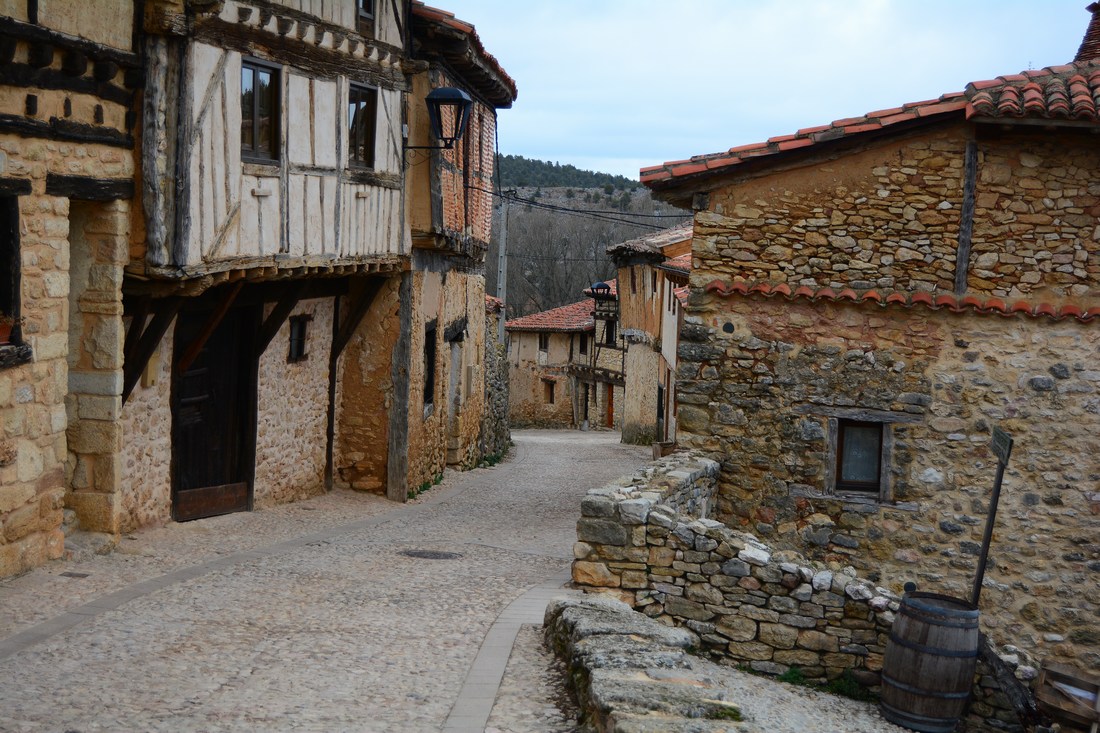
(648, 540)
(766, 609)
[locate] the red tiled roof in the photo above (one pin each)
(653, 243)
(1057, 92)
(506, 94)
(682, 294)
(932, 301)
(680, 262)
(572, 317)
(494, 305)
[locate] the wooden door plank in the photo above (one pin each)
(208, 328)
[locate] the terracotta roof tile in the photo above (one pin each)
(652, 243)
(931, 301)
(448, 19)
(573, 317)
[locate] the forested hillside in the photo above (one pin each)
(558, 235)
(518, 172)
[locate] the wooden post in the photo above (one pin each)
(1002, 448)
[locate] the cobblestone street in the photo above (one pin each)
(339, 613)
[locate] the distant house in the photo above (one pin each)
(869, 299)
(542, 349)
(653, 273)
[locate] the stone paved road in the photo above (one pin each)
(305, 617)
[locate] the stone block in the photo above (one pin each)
(704, 593)
(797, 657)
(21, 522)
(817, 641)
(98, 407)
(94, 436)
(634, 579)
(602, 532)
(595, 574)
(635, 511)
(778, 635)
(687, 609)
(15, 496)
(737, 628)
(96, 512)
(593, 505)
(750, 650)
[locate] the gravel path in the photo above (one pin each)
(310, 616)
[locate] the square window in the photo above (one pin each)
(544, 342)
(859, 456)
(362, 125)
(260, 112)
(299, 329)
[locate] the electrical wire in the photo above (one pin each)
(597, 214)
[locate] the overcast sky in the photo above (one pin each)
(616, 85)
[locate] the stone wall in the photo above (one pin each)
(648, 541)
(940, 381)
(292, 410)
(770, 610)
(145, 482)
(495, 435)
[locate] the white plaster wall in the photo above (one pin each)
(146, 481)
(292, 412)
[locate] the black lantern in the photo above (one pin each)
(447, 128)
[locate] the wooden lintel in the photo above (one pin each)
(279, 314)
(355, 316)
(195, 347)
(147, 344)
(85, 188)
(15, 186)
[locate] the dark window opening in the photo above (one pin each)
(366, 17)
(548, 391)
(584, 343)
(260, 115)
(859, 456)
(609, 332)
(429, 364)
(362, 125)
(10, 331)
(633, 280)
(544, 342)
(299, 329)
(653, 281)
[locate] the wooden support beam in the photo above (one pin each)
(147, 344)
(195, 347)
(86, 188)
(279, 313)
(355, 315)
(137, 323)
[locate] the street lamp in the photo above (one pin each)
(447, 128)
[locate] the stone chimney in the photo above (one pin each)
(1090, 45)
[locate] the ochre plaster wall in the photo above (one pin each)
(527, 368)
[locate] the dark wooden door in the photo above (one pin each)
(212, 417)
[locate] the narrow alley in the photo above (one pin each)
(340, 613)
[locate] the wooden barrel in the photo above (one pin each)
(929, 665)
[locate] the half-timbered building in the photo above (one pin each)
(209, 240)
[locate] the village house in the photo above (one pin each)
(654, 272)
(869, 299)
(237, 273)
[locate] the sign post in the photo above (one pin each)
(1002, 448)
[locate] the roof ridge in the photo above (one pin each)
(926, 299)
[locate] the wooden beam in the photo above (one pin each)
(85, 188)
(278, 316)
(195, 347)
(355, 315)
(15, 186)
(145, 347)
(137, 323)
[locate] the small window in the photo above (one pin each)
(859, 456)
(299, 326)
(429, 364)
(366, 17)
(584, 343)
(362, 122)
(653, 281)
(548, 391)
(9, 270)
(544, 342)
(260, 116)
(609, 332)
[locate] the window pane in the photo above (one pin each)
(247, 101)
(861, 453)
(266, 110)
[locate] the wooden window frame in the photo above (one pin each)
(609, 337)
(548, 391)
(544, 342)
(582, 347)
(365, 17)
(365, 92)
(251, 153)
(862, 487)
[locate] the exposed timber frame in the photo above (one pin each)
(142, 341)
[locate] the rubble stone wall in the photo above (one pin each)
(495, 435)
